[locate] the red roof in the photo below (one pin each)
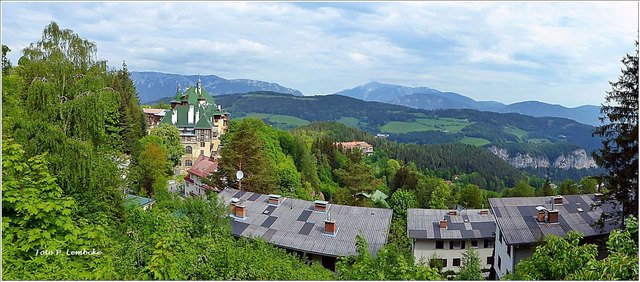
(188, 179)
(354, 144)
(203, 166)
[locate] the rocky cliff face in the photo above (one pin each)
(578, 159)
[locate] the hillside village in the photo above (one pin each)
(97, 186)
(503, 234)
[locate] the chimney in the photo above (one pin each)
(320, 206)
(443, 223)
(274, 200)
(174, 116)
(599, 196)
(552, 216)
(330, 226)
(484, 212)
(241, 211)
(453, 212)
(190, 114)
(541, 213)
(557, 200)
(232, 205)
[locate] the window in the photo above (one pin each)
(450, 245)
(180, 163)
(456, 262)
(499, 262)
(474, 243)
(188, 163)
(444, 262)
(488, 243)
(490, 260)
(439, 244)
(463, 244)
(188, 150)
(201, 152)
(508, 250)
(201, 144)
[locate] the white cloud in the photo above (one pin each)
(480, 49)
(357, 57)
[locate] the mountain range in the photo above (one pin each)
(432, 99)
(152, 86)
(544, 146)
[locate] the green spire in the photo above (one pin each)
(178, 95)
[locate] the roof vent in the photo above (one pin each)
(274, 200)
(557, 200)
(453, 212)
(443, 223)
(484, 212)
(552, 216)
(541, 213)
(320, 206)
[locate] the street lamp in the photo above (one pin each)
(239, 176)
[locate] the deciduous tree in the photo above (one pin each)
(471, 195)
(170, 142)
(471, 268)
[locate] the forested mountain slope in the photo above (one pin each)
(413, 125)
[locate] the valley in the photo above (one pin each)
(536, 137)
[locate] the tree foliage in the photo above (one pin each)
(245, 150)
(471, 196)
(402, 200)
(149, 167)
(619, 132)
(547, 190)
(170, 142)
(471, 268)
(387, 265)
(6, 63)
(567, 259)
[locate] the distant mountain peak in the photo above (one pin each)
(152, 86)
(430, 99)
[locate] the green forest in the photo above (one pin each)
(69, 122)
(74, 142)
(411, 125)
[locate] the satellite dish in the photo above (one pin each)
(239, 175)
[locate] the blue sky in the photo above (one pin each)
(556, 52)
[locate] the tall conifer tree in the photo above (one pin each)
(619, 132)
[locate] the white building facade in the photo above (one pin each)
(446, 234)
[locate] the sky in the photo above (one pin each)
(556, 52)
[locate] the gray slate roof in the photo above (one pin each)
(468, 224)
(295, 225)
(516, 217)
